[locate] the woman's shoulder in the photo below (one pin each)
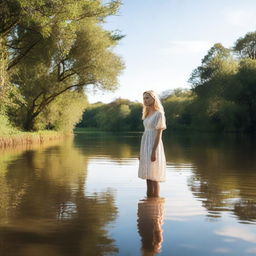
(159, 113)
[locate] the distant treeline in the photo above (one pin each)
(125, 115)
(222, 96)
(49, 52)
(119, 115)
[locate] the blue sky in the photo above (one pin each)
(166, 39)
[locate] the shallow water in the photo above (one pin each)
(82, 197)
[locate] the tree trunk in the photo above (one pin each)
(252, 109)
(30, 122)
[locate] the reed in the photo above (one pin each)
(28, 138)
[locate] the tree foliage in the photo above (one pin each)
(119, 115)
(226, 87)
(54, 47)
(245, 46)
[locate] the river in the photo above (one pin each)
(81, 196)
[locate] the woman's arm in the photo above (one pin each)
(156, 143)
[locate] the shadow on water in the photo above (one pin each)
(44, 207)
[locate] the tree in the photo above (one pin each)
(113, 116)
(245, 46)
(208, 78)
(211, 82)
(3, 76)
(242, 90)
(58, 46)
(88, 117)
(23, 18)
(176, 104)
(63, 113)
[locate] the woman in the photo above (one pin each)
(152, 158)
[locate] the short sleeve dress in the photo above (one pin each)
(155, 170)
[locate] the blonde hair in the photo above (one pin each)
(157, 104)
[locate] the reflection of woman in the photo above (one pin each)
(152, 158)
(150, 221)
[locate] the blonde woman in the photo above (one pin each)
(152, 162)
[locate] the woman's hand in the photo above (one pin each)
(153, 156)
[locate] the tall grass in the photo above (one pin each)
(11, 137)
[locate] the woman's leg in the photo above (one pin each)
(150, 188)
(156, 188)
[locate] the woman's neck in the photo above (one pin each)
(151, 110)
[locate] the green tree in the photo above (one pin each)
(242, 91)
(58, 46)
(245, 46)
(88, 117)
(119, 115)
(134, 119)
(210, 77)
(113, 117)
(63, 113)
(210, 82)
(176, 104)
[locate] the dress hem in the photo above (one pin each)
(152, 179)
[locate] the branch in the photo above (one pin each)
(34, 101)
(17, 59)
(9, 28)
(53, 96)
(66, 76)
(15, 48)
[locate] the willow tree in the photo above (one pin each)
(58, 46)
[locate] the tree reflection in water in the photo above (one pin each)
(150, 221)
(45, 209)
(223, 172)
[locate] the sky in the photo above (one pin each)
(165, 40)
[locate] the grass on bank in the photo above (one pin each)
(27, 138)
(97, 130)
(11, 136)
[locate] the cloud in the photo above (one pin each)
(187, 47)
(240, 18)
(237, 232)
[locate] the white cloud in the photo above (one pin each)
(187, 47)
(237, 232)
(240, 18)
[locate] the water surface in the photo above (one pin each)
(82, 197)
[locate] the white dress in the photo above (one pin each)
(155, 170)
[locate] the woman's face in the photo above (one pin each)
(148, 100)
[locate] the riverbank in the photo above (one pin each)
(28, 138)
